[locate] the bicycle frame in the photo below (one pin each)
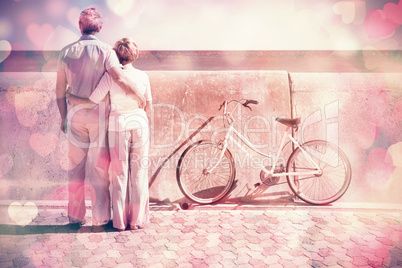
(286, 135)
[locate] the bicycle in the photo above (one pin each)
(317, 172)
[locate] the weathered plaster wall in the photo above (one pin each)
(363, 113)
(359, 111)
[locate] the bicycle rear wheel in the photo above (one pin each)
(324, 188)
(195, 182)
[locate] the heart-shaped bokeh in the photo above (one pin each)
(5, 50)
(379, 167)
(22, 214)
(39, 34)
(73, 188)
(366, 134)
(73, 15)
(28, 102)
(378, 25)
(60, 156)
(394, 12)
(346, 10)
(43, 145)
(120, 7)
(374, 58)
(32, 99)
(395, 151)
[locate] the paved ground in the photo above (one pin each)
(245, 236)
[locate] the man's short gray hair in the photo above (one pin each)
(90, 21)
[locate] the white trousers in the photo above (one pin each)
(88, 166)
(129, 171)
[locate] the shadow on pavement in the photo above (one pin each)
(263, 200)
(254, 196)
(52, 229)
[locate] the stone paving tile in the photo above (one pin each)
(286, 237)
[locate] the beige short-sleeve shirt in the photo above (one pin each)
(84, 62)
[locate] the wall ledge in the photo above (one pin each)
(338, 61)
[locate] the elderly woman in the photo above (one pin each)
(128, 140)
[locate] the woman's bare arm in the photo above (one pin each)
(126, 84)
(78, 100)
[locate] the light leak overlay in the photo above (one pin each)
(208, 24)
(199, 25)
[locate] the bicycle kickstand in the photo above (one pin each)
(295, 197)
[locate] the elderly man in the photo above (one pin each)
(80, 67)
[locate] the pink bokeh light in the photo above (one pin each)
(378, 25)
(216, 24)
(43, 145)
(38, 34)
(381, 23)
(394, 12)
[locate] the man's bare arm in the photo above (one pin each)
(61, 86)
(126, 84)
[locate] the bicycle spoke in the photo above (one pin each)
(324, 187)
(215, 175)
(197, 182)
(221, 178)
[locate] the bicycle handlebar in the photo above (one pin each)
(252, 101)
(245, 103)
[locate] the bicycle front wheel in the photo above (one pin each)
(327, 186)
(197, 180)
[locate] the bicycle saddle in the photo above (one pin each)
(290, 122)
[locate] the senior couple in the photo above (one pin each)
(104, 103)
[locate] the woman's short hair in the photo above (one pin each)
(90, 21)
(126, 50)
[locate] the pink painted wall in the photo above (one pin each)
(359, 111)
(365, 110)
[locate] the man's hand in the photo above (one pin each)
(63, 125)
